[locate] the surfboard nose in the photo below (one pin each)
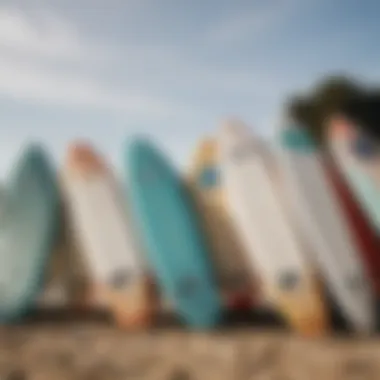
(206, 151)
(34, 151)
(34, 155)
(34, 162)
(81, 156)
(140, 152)
(233, 127)
(339, 128)
(139, 148)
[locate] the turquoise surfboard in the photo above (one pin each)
(170, 230)
(28, 230)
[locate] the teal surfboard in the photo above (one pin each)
(28, 230)
(170, 230)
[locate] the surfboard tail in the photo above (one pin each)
(305, 311)
(131, 308)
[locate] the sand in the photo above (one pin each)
(97, 350)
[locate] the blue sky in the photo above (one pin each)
(105, 69)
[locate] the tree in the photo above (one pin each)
(365, 113)
(335, 93)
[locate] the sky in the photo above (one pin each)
(105, 70)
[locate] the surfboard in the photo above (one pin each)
(29, 225)
(235, 280)
(172, 235)
(364, 234)
(99, 217)
(341, 135)
(53, 293)
(323, 222)
(270, 242)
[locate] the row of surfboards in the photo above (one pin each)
(247, 226)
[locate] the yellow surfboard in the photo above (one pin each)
(235, 281)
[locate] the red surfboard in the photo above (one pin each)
(365, 236)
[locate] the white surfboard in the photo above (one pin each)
(321, 218)
(97, 212)
(269, 239)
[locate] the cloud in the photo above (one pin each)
(143, 81)
(246, 23)
(47, 87)
(44, 82)
(144, 71)
(44, 34)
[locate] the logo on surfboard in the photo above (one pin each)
(209, 177)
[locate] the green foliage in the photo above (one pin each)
(327, 97)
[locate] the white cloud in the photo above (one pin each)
(46, 86)
(42, 81)
(249, 22)
(44, 34)
(144, 70)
